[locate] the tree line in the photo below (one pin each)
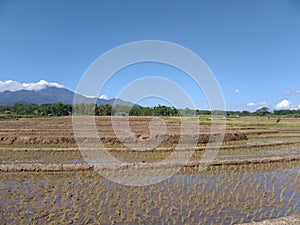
(61, 109)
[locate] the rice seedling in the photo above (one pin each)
(224, 194)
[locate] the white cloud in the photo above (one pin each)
(10, 85)
(103, 97)
(257, 104)
(286, 104)
(250, 104)
(287, 92)
(292, 91)
(88, 96)
(236, 91)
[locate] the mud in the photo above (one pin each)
(289, 220)
(121, 166)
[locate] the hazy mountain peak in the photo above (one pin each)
(43, 92)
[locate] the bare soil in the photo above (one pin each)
(41, 131)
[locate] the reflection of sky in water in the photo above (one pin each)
(265, 142)
(252, 184)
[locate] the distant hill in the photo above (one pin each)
(50, 95)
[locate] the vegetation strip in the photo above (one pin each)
(84, 167)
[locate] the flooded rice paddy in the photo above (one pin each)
(221, 194)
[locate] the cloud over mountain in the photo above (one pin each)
(43, 92)
(286, 104)
(103, 97)
(13, 86)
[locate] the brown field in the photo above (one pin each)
(59, 131)
(46, 180)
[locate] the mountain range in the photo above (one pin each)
(50, 94)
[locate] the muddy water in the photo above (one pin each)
(219, 195)
(75, 157)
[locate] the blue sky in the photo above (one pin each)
(252, 46)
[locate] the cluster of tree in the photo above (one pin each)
(136, 110)
(283, 112)
(155, 111)
(264, 111)
(57, 109)
(60, 109)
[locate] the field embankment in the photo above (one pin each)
(254, 175)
